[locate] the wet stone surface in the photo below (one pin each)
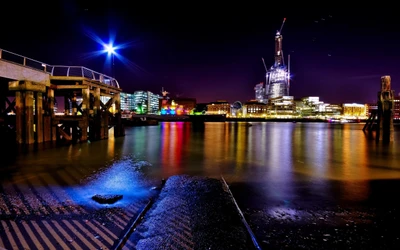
(326, 228)
(192, 213)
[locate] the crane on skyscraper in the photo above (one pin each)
(280, 30)
(265, 66)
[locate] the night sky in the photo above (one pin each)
(213, 51)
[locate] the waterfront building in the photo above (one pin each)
(141, 102)
(177, 106)
(282, 106)
(127, 102)
(219, 107)
(187, 103)
(254, 108)
(236, 109)
(146, 102)
(396, 108)
(332, 110)
(311, 106)
(373, 107)
(354, 110)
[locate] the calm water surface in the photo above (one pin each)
(279, 158)
(327, 186)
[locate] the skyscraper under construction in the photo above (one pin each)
(278, 76)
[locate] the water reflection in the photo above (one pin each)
(286, 160)
(111, 144)
(215, 146)
(355, 166)
(279, 164)
(173, 141)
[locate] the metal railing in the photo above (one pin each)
(79, 71)
(58, 70)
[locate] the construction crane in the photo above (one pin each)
(280, 30)
(265, 66)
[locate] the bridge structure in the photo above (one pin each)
(29, 90)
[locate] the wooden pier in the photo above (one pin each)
(380, 121)
(91, 100)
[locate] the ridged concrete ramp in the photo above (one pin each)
(192, 213)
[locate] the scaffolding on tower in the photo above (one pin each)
(278, 76)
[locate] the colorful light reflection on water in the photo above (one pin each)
(282, 158)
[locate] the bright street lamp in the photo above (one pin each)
(111, 51)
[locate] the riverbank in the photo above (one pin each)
(198, 213)
(188, 212)
(223, 118)
(192, 212)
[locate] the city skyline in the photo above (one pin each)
(211, 53)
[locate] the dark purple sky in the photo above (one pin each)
(213, 51)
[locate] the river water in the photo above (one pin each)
(276, 155)
(269, 165)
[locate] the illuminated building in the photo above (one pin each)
(310, 106)
(396, 108)
(236, 109)
(127, 102)
(141, 102)
(373, 107)
(278, 76)
(260, 93)
(187, 103)
(332, 110)
(355, 110)
(146, 102)
(254, 109)
(171, 108)
(219, 107)
(283, 106)
(177, 106)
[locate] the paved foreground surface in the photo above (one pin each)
(197, 213)
(187, 213)
(310, 222)
(192, 213)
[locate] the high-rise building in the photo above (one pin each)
(260, 93)
(127, 102)
(278, 76)
(146, 102)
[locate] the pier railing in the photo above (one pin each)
(57, 70)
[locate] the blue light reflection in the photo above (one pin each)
(125, 177)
